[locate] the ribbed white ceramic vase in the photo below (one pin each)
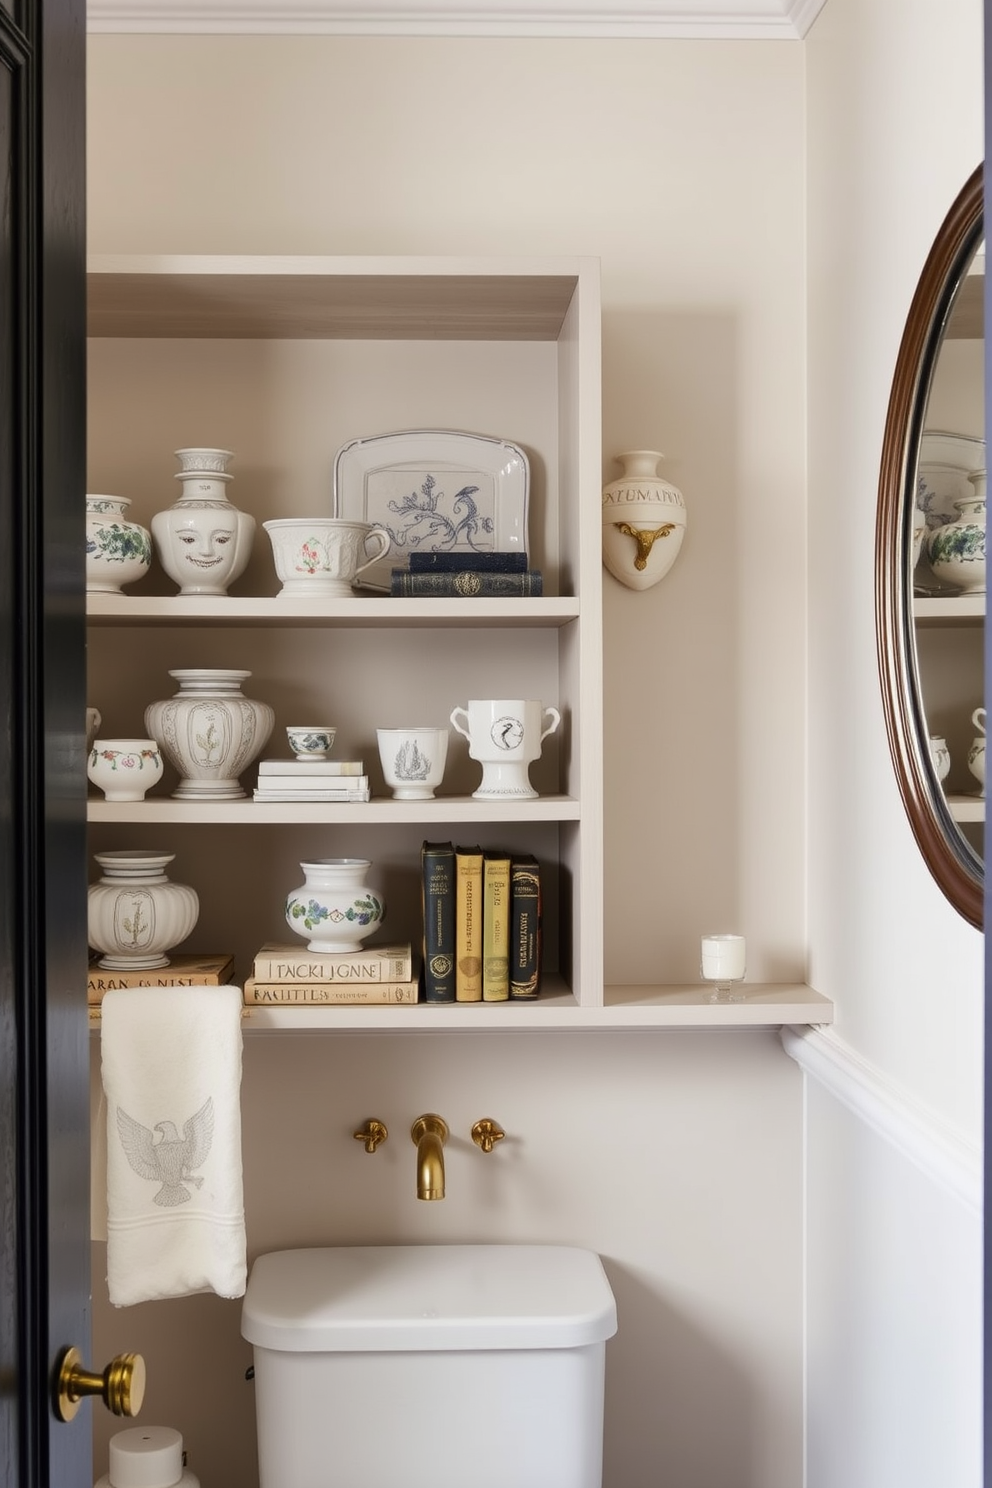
(135, 913)
(209, 731)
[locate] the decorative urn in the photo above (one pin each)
(209, 731)
(135, 913)
(117, 551)
(333, 909)
(203, 542)
(644, 521)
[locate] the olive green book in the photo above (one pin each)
(495, 927)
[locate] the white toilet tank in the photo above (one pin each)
(429, 1366)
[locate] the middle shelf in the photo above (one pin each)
(379, 811)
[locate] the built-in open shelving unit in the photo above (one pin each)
(284, 360)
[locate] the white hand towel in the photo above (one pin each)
(175, 1199)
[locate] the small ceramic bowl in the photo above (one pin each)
(311, 741)
(124, 769)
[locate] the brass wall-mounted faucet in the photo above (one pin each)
(430, 1132)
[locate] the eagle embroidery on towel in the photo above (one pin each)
(171, 1160)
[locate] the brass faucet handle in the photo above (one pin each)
(486, 1133)
(372, 1133)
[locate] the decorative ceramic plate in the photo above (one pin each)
(434, 491)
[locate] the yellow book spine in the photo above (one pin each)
(298, 994)
(468, 924)
(495, 928)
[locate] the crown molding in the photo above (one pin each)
(787, 20)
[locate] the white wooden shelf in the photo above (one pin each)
(362, 610)
(771, 1005)
(443, 809)
(960, 609)
(967, 808)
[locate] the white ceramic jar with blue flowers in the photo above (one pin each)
(117, 551)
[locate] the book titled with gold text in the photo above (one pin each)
(315, 994)
(182, 971)
(289, 963)
(495, 927)
(468, 924)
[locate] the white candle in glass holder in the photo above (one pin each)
(722, 958)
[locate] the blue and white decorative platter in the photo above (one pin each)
(434, 491)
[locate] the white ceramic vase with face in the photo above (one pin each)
(505, 736)
(203, 542)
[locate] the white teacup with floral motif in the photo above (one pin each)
(505, 735)
(124, 769)
(323, 555)
(413, 760)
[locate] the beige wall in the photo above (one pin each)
(893, 1266)
(677, 1156)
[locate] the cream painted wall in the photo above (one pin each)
(681, 165)
(893, 1259)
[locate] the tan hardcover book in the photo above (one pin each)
(495, 927)
(182, 971)
(369, 964)
(468, 924)
(311, 994)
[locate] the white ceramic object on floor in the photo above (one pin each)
(203, 541)
(311, 741)
(117, 551)
(334, 907)
(323, 556)
(505, 736)
(135, 913)
(125, 769)
(210, 731)
(644, 521)
(413, 761)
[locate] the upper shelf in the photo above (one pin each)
(954, 609)
(312, 297)
(360, 610)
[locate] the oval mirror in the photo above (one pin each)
(930, 558)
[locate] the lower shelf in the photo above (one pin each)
(762, 1006)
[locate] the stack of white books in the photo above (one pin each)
(311, 780)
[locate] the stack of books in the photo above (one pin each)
(467, 576)
(182, 971)
(286, 976)
(312, 780)
(482, 924)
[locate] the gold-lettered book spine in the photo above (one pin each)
(181, 972)
(288, 964)
(311, 994)
(468, 924)
(495, 928)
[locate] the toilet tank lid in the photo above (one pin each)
(360, 1298)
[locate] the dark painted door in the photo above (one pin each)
(44, 1146)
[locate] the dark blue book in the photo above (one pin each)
(438, 875)
(465, 584)
(468, 562)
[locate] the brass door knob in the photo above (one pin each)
(121, 1385)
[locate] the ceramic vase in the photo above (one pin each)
(644, 521)
(117, 551)
(976, 754)
(333, 909)
(940, 756)
(957, 550)
(135, 913)
(209, 731)
(124, 769)
(203, 542)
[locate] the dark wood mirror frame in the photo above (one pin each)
(954, 865)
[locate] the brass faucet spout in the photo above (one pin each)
(430, 1132)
